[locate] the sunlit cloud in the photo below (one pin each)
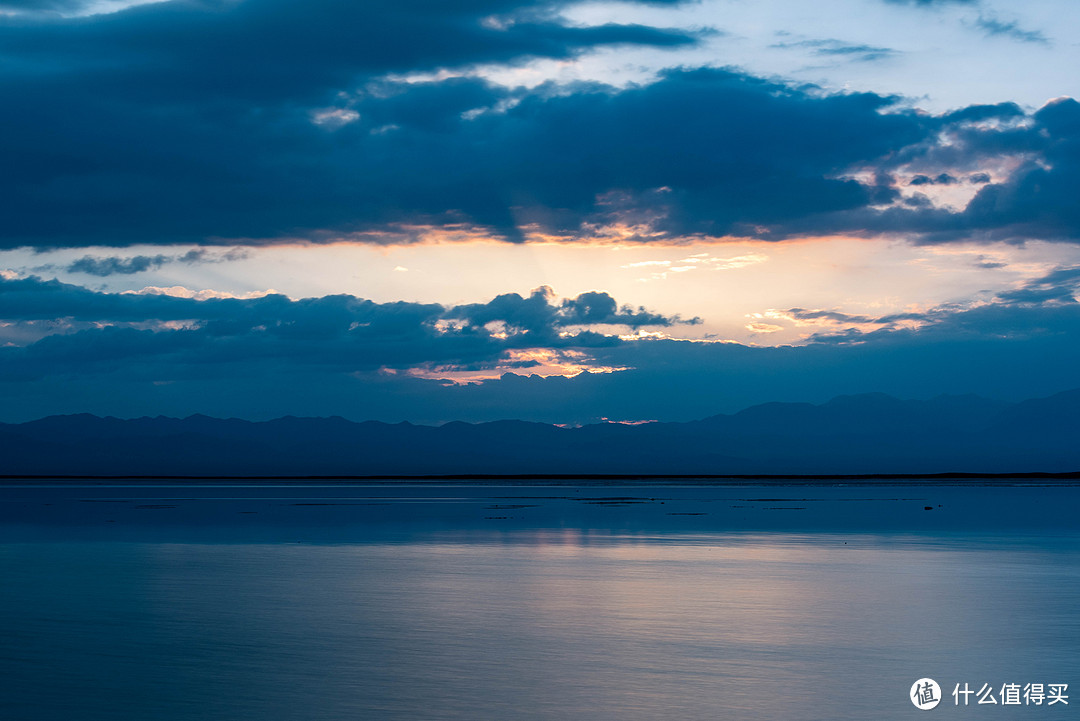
(334, 118)
(698, 261)
(758, 327)
(540, 362)
(179, 291)
(647, 263)
(642, 334)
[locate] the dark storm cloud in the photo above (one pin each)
(92, 332)
(713, 152)
(183, 120)
(266, 120)
(708, 151)
(267, 51)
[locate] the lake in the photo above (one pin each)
(533, 600)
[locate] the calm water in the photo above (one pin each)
(616, 617)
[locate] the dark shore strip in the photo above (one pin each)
(868, 479)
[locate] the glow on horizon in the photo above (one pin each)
(736, 288)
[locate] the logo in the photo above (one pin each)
(925, 694)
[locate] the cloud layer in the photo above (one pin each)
(53, 328)
(67, 349)
(262, 121)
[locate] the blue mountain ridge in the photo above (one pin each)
(857, 434)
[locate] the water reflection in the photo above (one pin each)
(542, 624)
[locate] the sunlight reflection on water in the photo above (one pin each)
(541, 624)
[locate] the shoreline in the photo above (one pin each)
(355, 511)
(961, 479)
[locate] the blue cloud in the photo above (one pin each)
(104, 266)
(538, 315)
(942, 179)
(112, 265)
(269, 120)
(831, 47)
(182, 121)
(35, 7)
(1011, 29)
(89, 332)
(932, 3)
(133, 354)
(713, 152)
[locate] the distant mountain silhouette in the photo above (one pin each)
(870, 433)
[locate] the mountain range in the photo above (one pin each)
(858, 434)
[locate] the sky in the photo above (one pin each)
(555, 211)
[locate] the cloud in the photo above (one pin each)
(932, 3)
(802, 314)
(994, 27)
(64, 8)
(34, 6)
(1059, 286)
(983, 261)
(663, 269)
(537, 315)
(942, 179)
(89, 332)
(1038, 198)
(104, 266)
(308, 121)
(668, 380)
(714, 152)
(181, 120)
(758, 327)
(831, 47)
(179, 291)
(1037, 157)
(1044, 305)
(70, 349)
(112, 265)
(272, 50)
(1004, 111)
(599, 308)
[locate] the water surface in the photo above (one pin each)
(511, 602)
